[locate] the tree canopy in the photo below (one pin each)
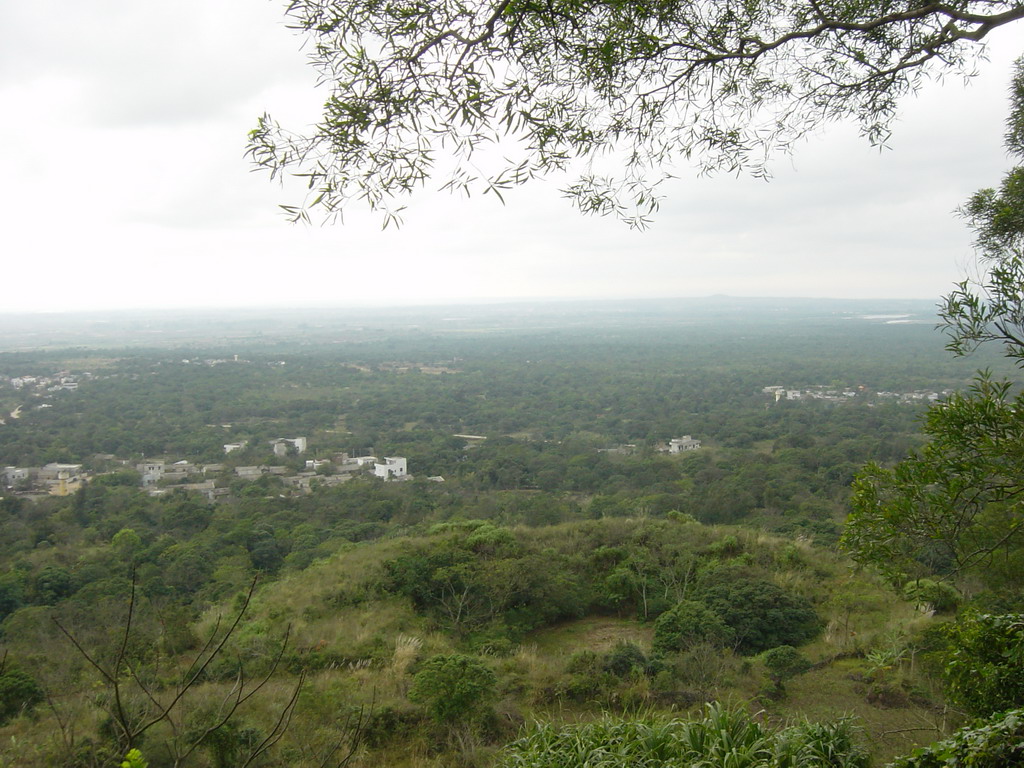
(613, 90)
(955, 507)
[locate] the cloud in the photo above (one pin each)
(123, 141)
(143, 63)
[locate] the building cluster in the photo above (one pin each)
(61, 381)
(675, 445)
(210, 362)
(917, 396)
(54, 479)
(835, 395)
(433, 369)
(159, 476)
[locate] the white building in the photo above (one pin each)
(282, 444)
(393, 468)
(151, 471)
(55, 471)
(14, 475)
(681, 444)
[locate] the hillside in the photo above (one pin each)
(548, 558)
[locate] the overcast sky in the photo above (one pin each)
(125, 186)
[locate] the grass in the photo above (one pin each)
(840, 690)
(594, 633)
(723, 736)
(369, 648)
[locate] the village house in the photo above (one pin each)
(15, 475)
(682, 444)
(392, 468)
(61, 479)
(283, 444)
(151, 472)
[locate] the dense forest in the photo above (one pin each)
(548, 564)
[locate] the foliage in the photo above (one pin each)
(990, 309)
(137, 702)
(19, 692)
(470, 581)
(134, 759)
(951, 508)
(940, 596)
(687, 623)
(453, 688)
(558, 528)
(12, 593)
(722, 736)
(954, 507)
(784, 662)
(762, 615)
(624, 659)
(995, 743)
(725, 84)
(984, 666)
(889, 652)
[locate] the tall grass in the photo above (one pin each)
(724, 737)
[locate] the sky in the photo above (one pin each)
(125, 186)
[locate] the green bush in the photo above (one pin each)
(624, 659)
(762, 615)
(984, 665)
(784, 662)
(996, 743)
(942, 597)
(453, 688)
(585, 662)
(19, 692)
(586, 688)
(686, 624)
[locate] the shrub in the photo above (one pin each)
(820, 745)
(19, 692)
(942, 597)
(761, 615)
(984, 666)
(584, 662)
(784, 662)
(453, 687)
(996, 743)
(689, 623)
(624, 659)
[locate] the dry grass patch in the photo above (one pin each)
(840, 690)
(594, 633)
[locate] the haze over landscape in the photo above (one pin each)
(505, 485)
(126, 187)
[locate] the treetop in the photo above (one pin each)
(615, 92)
